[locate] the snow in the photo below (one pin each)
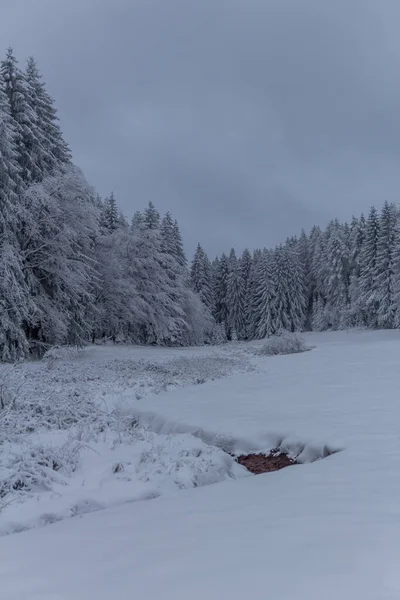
(321, 530)
(68, 447)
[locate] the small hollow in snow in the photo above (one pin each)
(265, 463)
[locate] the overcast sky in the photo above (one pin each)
(248, 119)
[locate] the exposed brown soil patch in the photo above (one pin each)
(265, 463)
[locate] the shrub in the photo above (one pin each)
(284, 343)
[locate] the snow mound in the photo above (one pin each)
(42, 485)
(188, 462)
(299, 450)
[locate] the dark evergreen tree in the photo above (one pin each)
(32, 155)
(236, 298)
(56, 150)
(385, 266)
(201, 277)
(368, 298)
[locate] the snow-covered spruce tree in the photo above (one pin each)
(250, 304)
(58, 257)
(172, 240)
(337, 281)
(385, 266)
(111, 219)
(163, 318)
(137, 221)
(32, 155)
(16, 307)
(220, 292)
(201, 277)
(167, 234)
(117, 309)
(303, 248)
(246, 267)
(179, 251)
(151, 217)
(396, 276)
(319, 274)
(264, 295)
(288, 303)
(368, 292)
(56, 150)
(297, 289)
(236, 298)
(172, 313)
(356, 241)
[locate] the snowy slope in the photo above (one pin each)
(322, 530)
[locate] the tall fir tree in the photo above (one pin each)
(337, 282)
(16, 306)
(220, 291)
(31, 152)
(385, 266)
(179, 251)
(263, 318)
(236, 298)
(111, 217)
(201, 277)
(56, 151)
(368, 297)
(151, 217)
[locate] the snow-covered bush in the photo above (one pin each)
(27, 467)
(218, 334)
(284, 343)
(184, 461)
(9, 388)
(60, 353)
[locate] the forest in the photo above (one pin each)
(74, 270)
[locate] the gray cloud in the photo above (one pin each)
(247, 119)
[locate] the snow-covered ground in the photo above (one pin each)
(322, 530)
(69, 446)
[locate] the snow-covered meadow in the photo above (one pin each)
(69, 445)
(325, 529)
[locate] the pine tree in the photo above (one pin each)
(220, 291)
(111, 217)
(235, 298)
(356, 242)
(303, 248)
(337, 282)
(385, 266)
(151, 217)
(179, 251)
(396, 275)
(264, 297)
(297, 289)
(56, 150)
(137, 223)
(31, 153)
(251, 303)
(368, 292)
(167, 234)
(16, 307)
(58, 253)
(200, 276)
(319, 277)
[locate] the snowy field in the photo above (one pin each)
(126, 434)
(71, 445)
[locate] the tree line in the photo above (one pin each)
(347, 275)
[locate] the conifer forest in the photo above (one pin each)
(74, 270)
